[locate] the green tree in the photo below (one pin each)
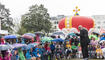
(6, 21)
(21, 30)
(37, 19)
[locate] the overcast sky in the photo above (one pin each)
(57, 7)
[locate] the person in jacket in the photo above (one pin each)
(75, 41)
(46, 45)
(84, 41)
(2, 41)
(15, 55)
(43, 53)
(52, 47)
(21, 55)
(28, 55)
(0, 56)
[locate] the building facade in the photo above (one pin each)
(99, 21)
(55, 20)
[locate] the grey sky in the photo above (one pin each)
(56, 7)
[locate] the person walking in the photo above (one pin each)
(84, 41)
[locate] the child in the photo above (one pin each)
(74, 50)
(68, 45)
(68, 52)
(93, 41)
(0, 56)
(58, 51)
(99, 52)
(103, 45)
(28, 55)
(79, 51)
(90, 50)
(103, 50)
(39, 56)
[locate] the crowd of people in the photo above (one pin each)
(57, 50)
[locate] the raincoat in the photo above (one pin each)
(2, 40)
(21, 55)
(43, 51)
(102, 38)
(28, 55)
(0, 58)
(52, 46)
(94, 42)
(36, 51)
(23, 42)
(14, 55)
(37, 38)
(73, 47)
(46, 46)
(7, 56)
(68, 45)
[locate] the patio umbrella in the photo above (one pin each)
(72, 34)
(39, 33)
(53, 36)
(10, 37)
(5, 47)
(103, 34)
(32, 45)
(90, 36)
(58, 33)
(18, 45)
(30, 34)
(102, 38)
(57, 40)
(101, 41)
(96, 33)
(27, 36)
(72, 30)
(48, 39)
(29, 46)
(17, 35)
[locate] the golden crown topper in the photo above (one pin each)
(76, 11)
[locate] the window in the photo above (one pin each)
(57, 22)
(55, 27)
(98, 27)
